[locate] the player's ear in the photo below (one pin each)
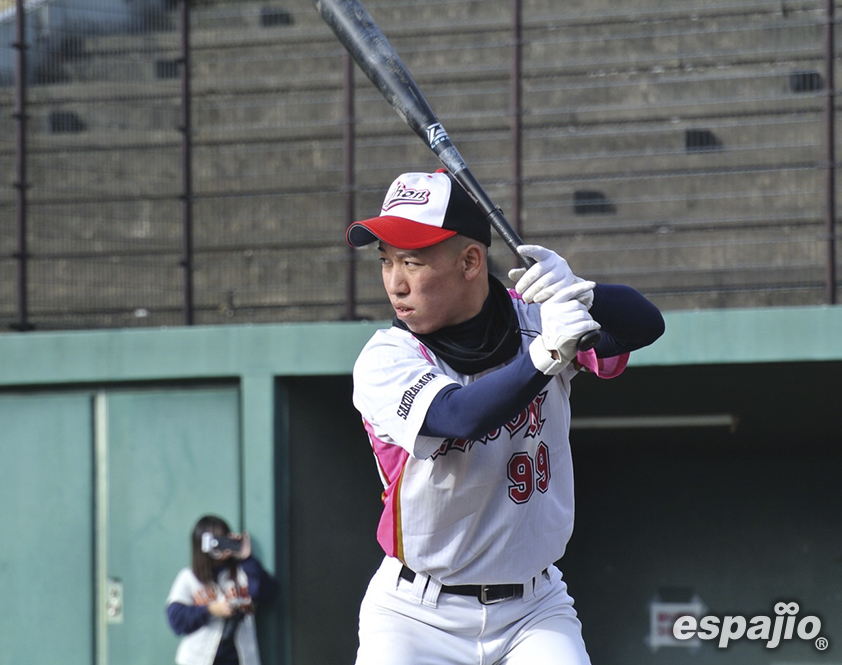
(473, 260)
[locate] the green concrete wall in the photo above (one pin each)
(691, 338)
(309, 493)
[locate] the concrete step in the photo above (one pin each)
(735, 203)
(662, 200)
(618, 94)
(781, 265)
(276, 115)
(238, 163)
(146, 224)
(433, 14)
(568, 42)
(624, 96)
(670, 44)
(233, 16)
(546, 100)
(248, 56)
(725, 143)
(259, 283)
(702, 273)
(78, 227)
(260, 279)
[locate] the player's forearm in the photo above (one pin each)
(472, 411)
(629, 321)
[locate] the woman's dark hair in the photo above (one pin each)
(203, 564)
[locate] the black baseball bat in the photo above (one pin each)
(368, 46)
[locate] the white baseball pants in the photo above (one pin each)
(405, 623)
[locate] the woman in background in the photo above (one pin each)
(212, 603)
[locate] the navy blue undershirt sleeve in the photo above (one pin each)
(629, 321)
(472, 411)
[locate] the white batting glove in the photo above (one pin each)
(581, 291)
(563, 322)
(547, 277)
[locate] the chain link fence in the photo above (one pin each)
(167, 164)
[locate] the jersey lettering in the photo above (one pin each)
(409, 395)
(530, 418)
(460, 445)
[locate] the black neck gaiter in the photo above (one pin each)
(489, 339)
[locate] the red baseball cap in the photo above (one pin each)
(422, 209)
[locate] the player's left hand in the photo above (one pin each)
(546, 278)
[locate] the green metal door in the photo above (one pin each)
(172, 456)
(99, 493)
(46, 525)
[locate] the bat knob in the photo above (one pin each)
(589, 340)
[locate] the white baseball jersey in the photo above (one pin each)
(489, 511)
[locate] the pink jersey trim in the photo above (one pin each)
(425, 353)
(391, 460)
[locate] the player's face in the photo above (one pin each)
(428, 287)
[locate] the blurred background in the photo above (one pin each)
(180, 313)
(166, 164)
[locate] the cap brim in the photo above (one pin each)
(396, 231)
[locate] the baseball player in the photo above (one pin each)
(465, 399)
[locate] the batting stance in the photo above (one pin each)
(465, 399)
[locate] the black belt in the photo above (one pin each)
(487, 594)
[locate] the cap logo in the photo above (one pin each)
(404, 195)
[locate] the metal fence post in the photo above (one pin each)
(515, 85)
(187, 166)
(830, 155)
(349, 156)
(21, 184)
